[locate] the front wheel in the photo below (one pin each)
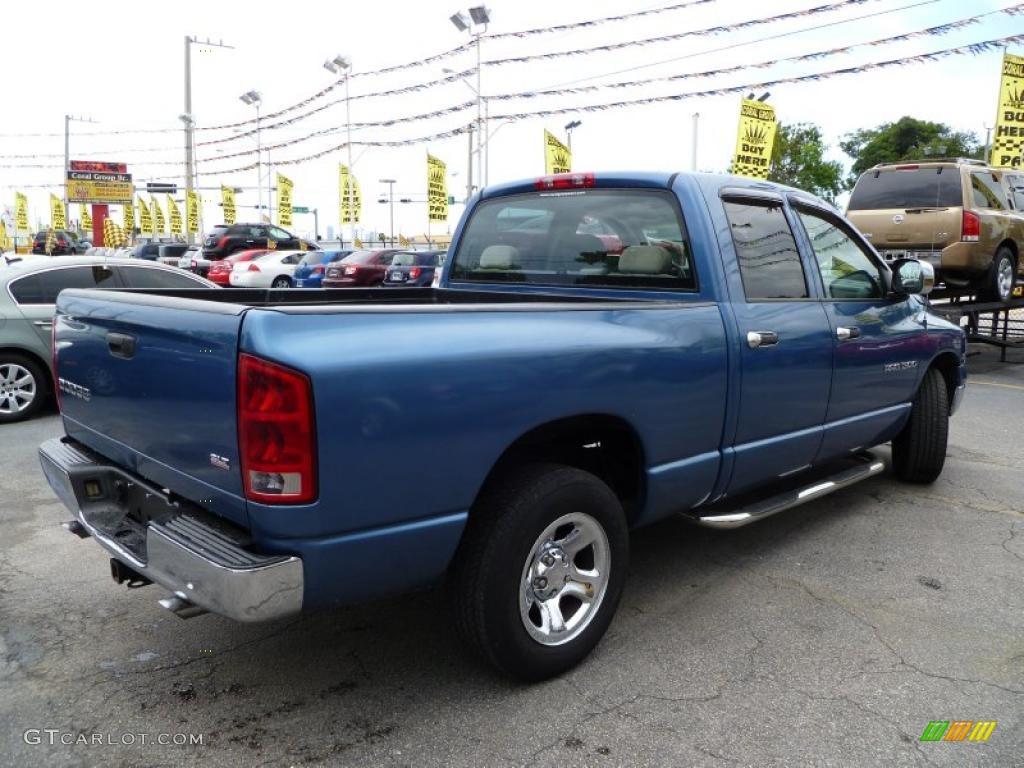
(919, 451)
(540, 570)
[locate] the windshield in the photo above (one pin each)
(913, 188)
(599, 237)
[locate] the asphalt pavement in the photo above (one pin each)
(829, 635)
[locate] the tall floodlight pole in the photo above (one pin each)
(476, 25)
(190, 169)
(254, 99)
(344, 64)
(569, 128)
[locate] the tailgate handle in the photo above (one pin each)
(121, 344)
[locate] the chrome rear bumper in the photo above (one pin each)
(184, 550)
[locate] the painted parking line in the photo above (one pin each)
(996, 384)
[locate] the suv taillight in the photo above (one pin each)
(415, 272)
(970, 232)
(276, 434)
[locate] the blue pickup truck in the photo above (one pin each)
(602, 352)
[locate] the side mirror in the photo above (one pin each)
(912, 277)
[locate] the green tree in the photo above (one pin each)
(906, 139)
(798, 159)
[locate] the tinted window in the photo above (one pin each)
(145, 277)
(43, 287)
(360, 257)
(916, 188)
(407, 259)
(846, 270)
(313, 257)
(599, 237)
(1016, 186)
(987, 191)
(769, 261)
(279, 234)
(221, 231)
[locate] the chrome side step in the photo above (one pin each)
(763, 508)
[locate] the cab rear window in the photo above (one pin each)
(612, 238)
(935, 187)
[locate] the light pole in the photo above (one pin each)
(568, 131)
(391, 201)
(338, 64)
(67, 149)
(476, 25)
(254, 99)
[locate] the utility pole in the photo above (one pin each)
(693, 148)
(67, 149)
(187, 117)
(469, 164)
(391, 201)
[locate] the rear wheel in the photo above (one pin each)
(919, 451)
(998, 283)
(22, 387)
(281, 282)
(540, 570)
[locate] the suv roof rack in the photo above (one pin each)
(959, 160)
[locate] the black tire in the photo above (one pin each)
(485, 580)
(919, 451)
(281, 282)
(994, 286)
(40, 385)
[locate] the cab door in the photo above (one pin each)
(878, 345)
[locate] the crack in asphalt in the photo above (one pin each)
(1011, 537)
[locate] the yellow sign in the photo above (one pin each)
(192, 211)
(84, 218)
(174, 214)
(345, 179)
(557, 156)
(4, 241)
(437, 189)
(20, 212)
(358, 243)
(159, 224)
(98, 186)
(1008, 142)
(128, 218)
(403, 241)
(227, 202)
(58, 219)
(145, 220)
(284, 200)
(754, 140)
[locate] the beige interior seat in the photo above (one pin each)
(499, 257)
(645, 260)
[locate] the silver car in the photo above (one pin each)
(28, 291)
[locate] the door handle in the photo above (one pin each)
(757, 339)
(121, 344)
(47, 324)
(845, 334)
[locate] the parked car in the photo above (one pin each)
(735, 359)
(220, 271)
(225, 239)
(64, 243)
(360, 269)
(28, 291)
(413, 268)
(961, 216)
(310, 271)
(273, 269)
(171, 253)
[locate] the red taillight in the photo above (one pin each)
(62, 243)
(415, 272)
(970, 231)
(222, 242)
(194, 263)
(318, 269)
(564, 181)
(351, 269)
(254, 268)
(53, 361)
(276, 434)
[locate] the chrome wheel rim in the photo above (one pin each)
(564, 579)
(1004, 278)
(17, 388)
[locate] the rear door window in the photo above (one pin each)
(766, 250)
(912, 187)
(147, 277)
(987, 191)
(43, 287)
(612, 238)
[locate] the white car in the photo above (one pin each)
(272, 270)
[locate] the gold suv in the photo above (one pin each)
(963, 216)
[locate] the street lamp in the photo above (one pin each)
(253, 98)
(344, 64)
(391, 200)
(475, 25)
(568, 131)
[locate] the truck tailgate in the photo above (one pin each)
(149, 382)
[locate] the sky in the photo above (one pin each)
(124, 68)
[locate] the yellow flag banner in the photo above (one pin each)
(145, 220)
(159, 223)
(192, 211)
(174, 214)
(20, 212)
(227, 203)
(350, 211)
(557, 156)
(437, 189)
(754, 139)
(128, 218)
(358, 243)
(403, 241)
(1008, 142)
(57, 218)
(4, 244)
(84, 218)
(284, 200)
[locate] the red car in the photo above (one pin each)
(220, 271)
(360, 269)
